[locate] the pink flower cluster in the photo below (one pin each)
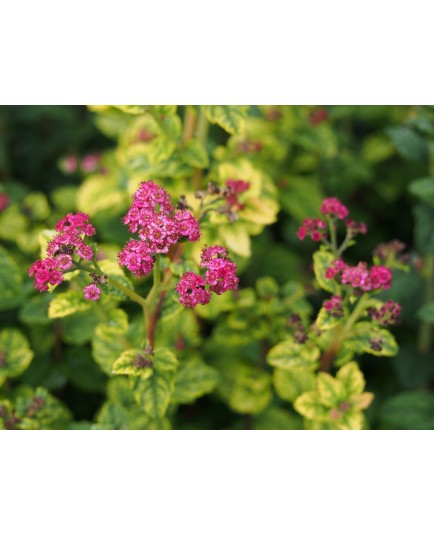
(220, 277)
(360, 277)
(387, 314)
(60, 250)
(92, 292)
(334, 306)
(333, 207)
(158, 225)
(313, 227)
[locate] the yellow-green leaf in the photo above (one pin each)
(291, 383)
(67, 303)
(351, 378)
(124, 364)
(15, 354)
(194, 379)
(330, 391)
(230, 118)
(321, 261)
(289, 354)
(194, 154)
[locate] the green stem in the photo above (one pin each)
(202, 127)
(130, 293)
(190, 120)
(425, 332)
(332, 227)
(341, 334)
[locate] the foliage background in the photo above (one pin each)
(377, 159)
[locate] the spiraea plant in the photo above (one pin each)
(352, 321)
(161, 230)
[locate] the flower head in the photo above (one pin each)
(137, 257)
(313, 227)
(333, 207)
(334, 306)
(92, 292)
(191, 290)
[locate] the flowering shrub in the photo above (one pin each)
(170, 281)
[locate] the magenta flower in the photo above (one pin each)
(187, 225)
(220, 275)
(191, 290)
(159, 227)
(313, 227)
(213, 252)
(92, 292)
(333, 207)
(45, 271)
(334, 306)
(61, 249)
(137, 257)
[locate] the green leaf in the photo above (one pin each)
(364, 334)
(100, 193)
(154, 394)
(351, 377)
(321, 261)
(78, 328)
(165, 360)
(423, 189)
(301, 196)
(194, 154)
(132, 109)
(230, 118)
(292, 383)
(10, 281)
(34, 312)
(426, 313)
(13, 223)
(408, 144)
(236, 238)
(40, 410)
(289, 354)
(36, 205)
(309, 405)
(330, 391)
(275, 418)
(424, 228)
(410, 410)
(67, 303)
(15, 354)
(251, 392)
(266, 287)
(324, 321)
(110, 340)
(124, 364)
(194, 379)
(115, 272)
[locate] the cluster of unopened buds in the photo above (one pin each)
(159, 226)
(387, 314)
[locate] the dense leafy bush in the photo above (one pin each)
(137, 323)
